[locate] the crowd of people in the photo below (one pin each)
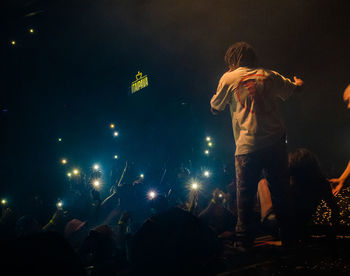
(131, 233)
(179, 231)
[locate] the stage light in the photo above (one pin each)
(210, 144)
(96, 167)
(13, 43)
(206, 152)
(112, 126)
(64, 161)
(69, 174)
(220, 195)
(115, 133)
(152, 194)
(75, 171)
(194, 186)
(115, 156)
(96, 183)
(31, 30)
(208, 139)
(3, 201)
(59, 139)
(142, 175)
(206, 173)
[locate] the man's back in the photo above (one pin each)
(252, 96)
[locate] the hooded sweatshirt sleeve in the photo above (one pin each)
(283, 87)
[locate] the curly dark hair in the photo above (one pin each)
(240, 54)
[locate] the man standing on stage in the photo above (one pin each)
(252, 94)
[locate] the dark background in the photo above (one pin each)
(72, 77)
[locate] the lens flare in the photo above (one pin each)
(59, 204)
(152, 194)
(96, 183)
(75, 171)
(194, 186)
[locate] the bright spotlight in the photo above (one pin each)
(142, 175)
(210, 144)
(206, 152)
(115, 156)
(194, 186)
(96, 183)
(69, 174)
(96, 167)
(152, 195)
(64, 161)
(3, 201)
(31, 30)
(208, 139)
(75, 171)
(112, 126)
(206, 173)
(59, 204)
(13, 43)
(59, 139)
(115, 133)
(220, 195)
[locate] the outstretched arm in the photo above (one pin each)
(284, 87)
(338, 183)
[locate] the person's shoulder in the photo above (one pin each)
(253, 72)
(263, 71)
(231, 76)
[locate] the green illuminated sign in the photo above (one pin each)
(139, 83)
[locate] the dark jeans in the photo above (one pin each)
(274, 160)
